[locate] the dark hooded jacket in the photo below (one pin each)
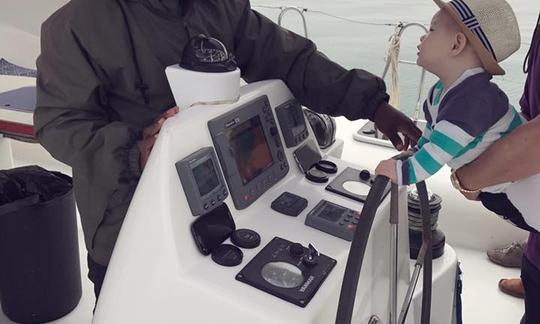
(101, 80)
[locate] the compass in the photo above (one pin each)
(207, 54)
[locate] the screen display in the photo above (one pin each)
(250, 149)
(206, 177)
(298, 122)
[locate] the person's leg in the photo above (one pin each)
(530, 276)
(96, 274)
(510, 255)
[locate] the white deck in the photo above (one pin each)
(468, 228)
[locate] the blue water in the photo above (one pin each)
(356, 45)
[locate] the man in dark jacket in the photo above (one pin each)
(101, 82)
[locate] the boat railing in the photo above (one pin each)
(300, 11)
(369, 133)
(400, 29)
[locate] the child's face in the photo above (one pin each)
(435, 46)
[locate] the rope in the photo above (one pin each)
(392, 55)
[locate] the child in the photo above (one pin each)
(465, 112)
(498, 164)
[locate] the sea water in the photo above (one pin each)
(353, 33)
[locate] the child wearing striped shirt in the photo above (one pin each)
(465, 111)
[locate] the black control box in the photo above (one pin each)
(333, 219)
(292, 123)
(287, 270)
(289, 204)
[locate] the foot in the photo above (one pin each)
(507, 256)
(512, 287)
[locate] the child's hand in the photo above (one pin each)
(387, 168)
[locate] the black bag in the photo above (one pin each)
(40, 276)
(23, 182)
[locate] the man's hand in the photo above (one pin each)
(391, 121)
(150, 135)
(387, 168)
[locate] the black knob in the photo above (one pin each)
(311, 259)
(296, 250)
(273, 131)
(365, 175)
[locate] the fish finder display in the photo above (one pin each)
(292, 123)
(206, 177)
(297, 120)
(250, 148)
(202, 181)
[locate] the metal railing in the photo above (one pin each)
(300, 11)
(400, 29)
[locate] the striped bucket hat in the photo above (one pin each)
(490, 26)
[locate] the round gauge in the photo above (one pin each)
(282, 274)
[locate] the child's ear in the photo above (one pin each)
(460, 42)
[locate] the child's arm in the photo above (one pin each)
(447, 141)
(461, 123)
(388, 167)
(426, 133)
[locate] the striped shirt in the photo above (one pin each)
(462, 122)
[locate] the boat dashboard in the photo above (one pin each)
(239, 217)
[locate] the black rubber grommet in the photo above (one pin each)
(326, 166)
(227, 255)
(316, 175)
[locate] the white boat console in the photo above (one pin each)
(217, 168)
